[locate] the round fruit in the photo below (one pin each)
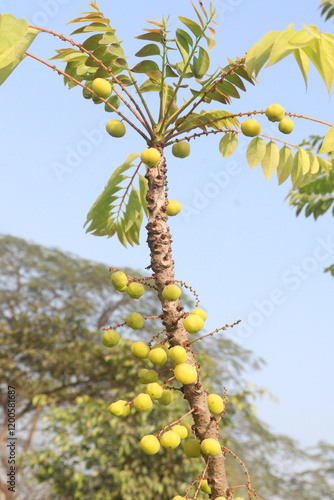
(154, 390)
(101, 87)
(222, 498)
(119, 408)
(210, 447)
(181, 149)
(199, 312)
(205, 487)
(115, 128)
(140, 350)
(286, 126)
(178, 354)
(275, 112)
(96, 99)
(171, 292)
(185, 373)
(215, 404)
(170, 440)
(166, 398)
(86, 93)
(178, 497)
(192, 448)
(119, 280)
(135, 321)
(251, 127)
(193, 323)
(142, 402)
(147, 376)
(158, 356)
(150, 444)
(150, 156)
(187, 426)
(173, 208)
(181, 430)
(135, 290)
(165, 347)
(110, 338)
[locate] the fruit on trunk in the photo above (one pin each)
(142, 402)
(178, 354)
(166, 398)
(180, 430)
(154, 390)
(158, 356)
(150, 444)
(193, 323)
(210, 447)
(173, 207)
(135, 290)
(135, 321)
(115, 128)
(275, 112)
(251, 127)
(119, 280)
(192, 448)
(215, 404)
(119, 408)
(170, 440)
(286, 126)
(150, 157)
(140, 350)
(171, 292)
(110, 338)
(200, 312)
(181, 149)
(205, 487)
(101, 87)
(147, 376)
(185, 373)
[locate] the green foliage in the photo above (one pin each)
(15, 38)
(316, 197)
(327, 9)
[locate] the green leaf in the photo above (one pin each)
(328, 144)
(305, 161)
(115, 101)
(255, 151)
(259, 53)
(285, 164)
(314, 164)
(303, 63)
(270, 160)
(297, 169)
(151, 36)
(194, 27)
(145, 67)
(281, 47)
(151, 49)
(182, 45)
(228, 144)
(143, 188)
(15, 38)
(201, 63)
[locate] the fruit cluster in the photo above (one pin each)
(274, 113)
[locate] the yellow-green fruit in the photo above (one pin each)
(205, 487)
(171, 292)
(173, 208)
(154, 390)
(119, 408)
(147, 376)
(180, 430)
(150, 444)
(187, 426)
(142, 402)
(110, 338)
(135, 321)
(192, 448)
(101, 87)
(165, 347)
(181, 149)
(275, 112)
(140, 350)
(185, 373)
(200, 312)
(193, 323)
(115, 128)
(286, 126)
(178, 354)
(210, 447)
(158, 356)
(119, 280)
(178, 497)
(135, 290)
(150, 156)
(166, 398)
(251, 127)
(170, 440)
(215, 404)
(222, 498)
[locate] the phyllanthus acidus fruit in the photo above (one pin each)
(178, 497)
(166, 398)
(192, 448)
(171, 292)
(110, 338)
(165, 347)
(215, 404)
(181, 149)
(170, 440)
(147, 376)
(193, 323)
(181, 430)
(158, 356)
(154, 390)
(275, 112)
(119, 408)
(251, 127)
(150, 157)
(115, 128)
(286, 126)
(200, 312)
(178, 354)
(142, 402)
(135, 321)
(205, 487)
(173, 207)
(185, 373)
(150, 444)
(210, 447)
(135, 290)
(140, 350)
(102, 87)
(119, 280)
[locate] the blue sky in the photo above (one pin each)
(237, 242)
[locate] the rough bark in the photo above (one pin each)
(159, 241)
